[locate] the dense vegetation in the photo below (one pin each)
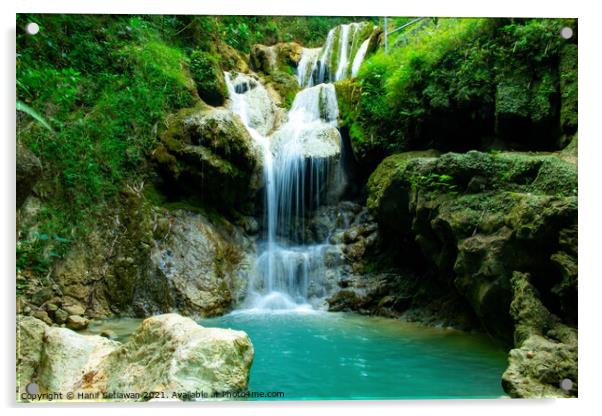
(503, 77)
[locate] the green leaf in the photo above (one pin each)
(21, 106)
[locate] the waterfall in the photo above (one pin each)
(301, 168)
(359, 58)
(306, 150)
(307, 66)
(340, 56)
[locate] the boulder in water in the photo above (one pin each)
(546, 350)
(186, 357)
(67, 357)
(167, 353)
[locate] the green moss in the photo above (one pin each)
(209, 77)
(348, 96)
(568, 88)
(391, 169)
(512, 96)
(540, 174)
(498, 76)
(285, 84)
(363, 33)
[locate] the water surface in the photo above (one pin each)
(320, 355)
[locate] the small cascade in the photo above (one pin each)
(359, 58)
(306, 151)
(345, 49)
(306, 66)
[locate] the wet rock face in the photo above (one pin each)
(186, 357)
(477, 218)
(152, 261)
(208, 154)
(204, 266)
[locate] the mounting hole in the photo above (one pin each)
(32, 28)
(32, 388)
(566, 384)
(566, 32)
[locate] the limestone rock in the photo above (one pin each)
(546, 350)
(204, 263)
(41, 296)
(285, 85)
(67, 356)
(74, 309)
(30, 338)
(42, 316)
(260, 98)
(185, 356)
(60, 316)
(231, 59)
(475, 237)
(167, 353)
(76, 322)
(388, 197)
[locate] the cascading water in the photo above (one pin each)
(301, 168)
(341, 56)
(359, 58)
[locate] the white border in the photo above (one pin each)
(589, 172)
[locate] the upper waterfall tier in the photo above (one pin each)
(340, 57)
(252, 102)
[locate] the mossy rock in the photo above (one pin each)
(545, 351)
(568, 88)
(132, 252)
(348, 96)
(282, 57)
(208, 154)
(388, 189)
(285, 84)
(526, 108)
(208, 77)
(478, 217)
(231, 59)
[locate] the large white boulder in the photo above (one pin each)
(172, 354)
(169, 354)
(68, 358)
